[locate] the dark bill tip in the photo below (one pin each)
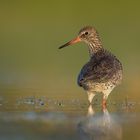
(65, 45)
(75, 40)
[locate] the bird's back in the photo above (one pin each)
(103, 67)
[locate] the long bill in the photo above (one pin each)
(75, 40)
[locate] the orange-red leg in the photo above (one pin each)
(104, 105)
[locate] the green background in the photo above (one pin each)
(32, 31)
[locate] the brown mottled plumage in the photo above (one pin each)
(103, 72)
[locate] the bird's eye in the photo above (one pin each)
(86, 33)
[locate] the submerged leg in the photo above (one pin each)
(90, 111)
(104, 103)
(90, 96)
(105, 96)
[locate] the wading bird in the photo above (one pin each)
(103, 71)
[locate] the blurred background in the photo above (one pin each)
(38, 82)
(32, 31)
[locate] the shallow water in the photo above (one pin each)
(31, 117)
(39, 98)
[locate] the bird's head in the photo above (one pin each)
(86, 34)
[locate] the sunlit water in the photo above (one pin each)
(43, 118)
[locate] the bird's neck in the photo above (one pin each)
(94, 46)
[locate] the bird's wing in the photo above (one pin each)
(98, 71)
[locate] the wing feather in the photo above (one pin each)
(99, 69)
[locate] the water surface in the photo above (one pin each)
(39, 117)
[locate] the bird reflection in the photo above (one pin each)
(99, 126)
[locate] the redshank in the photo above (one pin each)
(103, 72)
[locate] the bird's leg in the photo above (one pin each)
(105, 96)
(104, 103)
(90, 96)
(91, 111)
